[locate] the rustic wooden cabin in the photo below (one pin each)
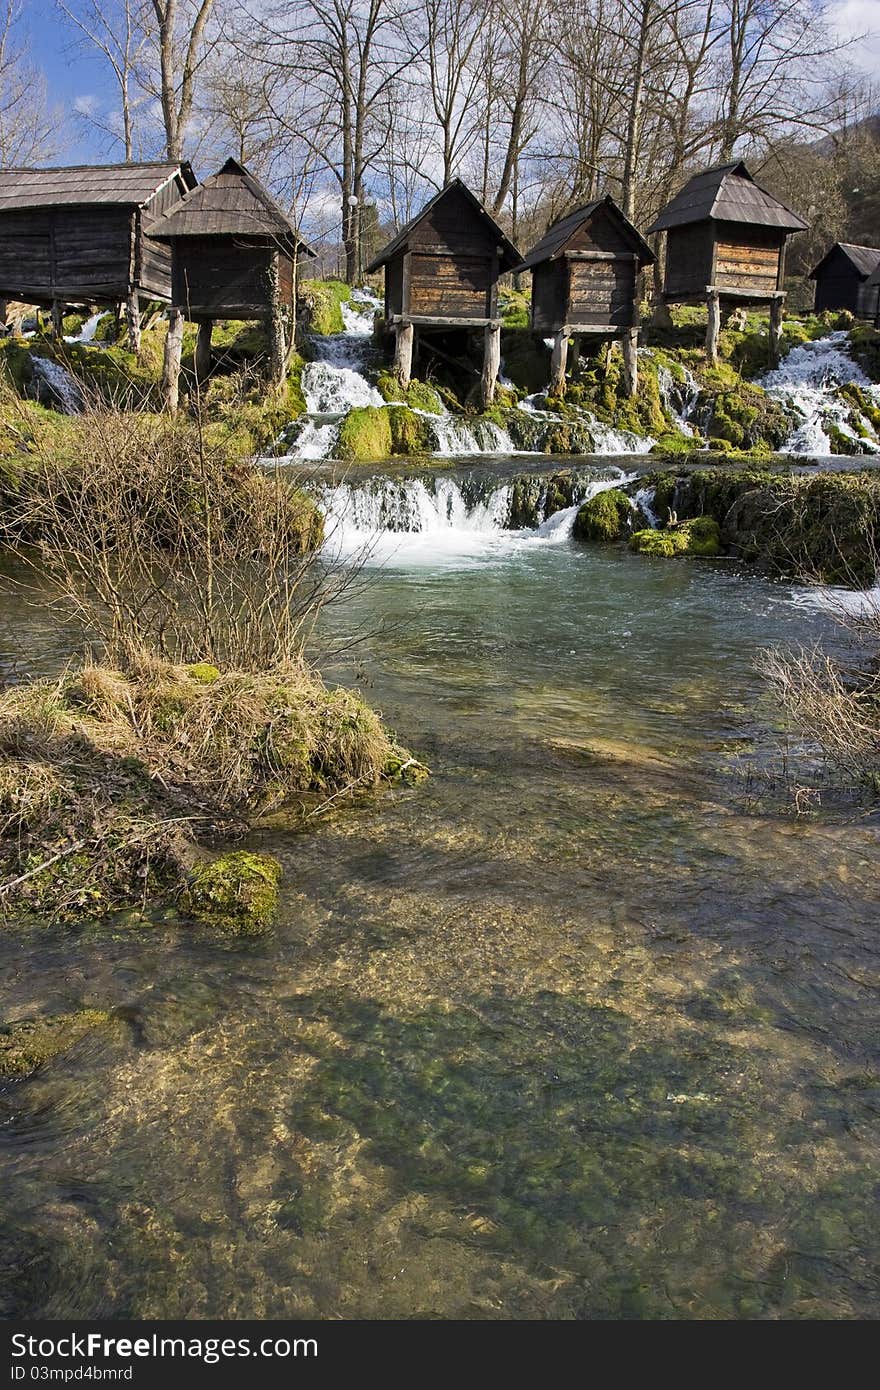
(234, 255)
(843, 280)
(81, 235)
(586, 283)
(725, 244)
(441, 272)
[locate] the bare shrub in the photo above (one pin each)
(154, 540)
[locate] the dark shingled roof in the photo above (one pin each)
(230, 203)
(120, 185)
(864, 259)
(559, 234)
(727, 194)
(510, 255)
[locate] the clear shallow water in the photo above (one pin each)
(571, 1031)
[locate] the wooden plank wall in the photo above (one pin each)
(747, 258)
(603, 291)
(219, 278)
(451, 286)
(394, 285)
(688, 259)
(549, 296)
(153, 264)
(69, 253)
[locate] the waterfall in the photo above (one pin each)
(436, 516)
(52, 385)
(601, 438)
(807, 382)
(680, 398)
(87, 331)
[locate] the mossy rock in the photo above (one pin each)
(237, 891)
(323, 300)
(410, 433)
(701, 536)
(365, 435)
(30, 1044)
(605, 517)
(418, 395)
(203, 672)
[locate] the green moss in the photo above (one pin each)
(410, 433)
(203, 672)
(701, 536)
(30, 1044)
(323, 300)
(365, 435)
(515, 306)
(418, 395)
(236, 891)
(605, 517)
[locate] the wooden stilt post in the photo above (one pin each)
(57, 318)
(171, 361)
(203, 350)
(557, 364)
(713, 324)
(777, 307)
(133, 321)
(630, 345)
(576, 355)
(491, 363)
(403, 353)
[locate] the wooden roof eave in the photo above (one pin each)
(509, 254)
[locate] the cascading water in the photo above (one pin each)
(439, 518)
(808, 382)
(680, 397)
(601, 438)
(86, 333)
(52, 385)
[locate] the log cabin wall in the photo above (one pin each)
(747, 259)
(217, 278)
(837, 287)
(689, 253)
(549, 296)
(453, 263)
(394, 286)
(603, 291)
(68, 253)
(153, 269)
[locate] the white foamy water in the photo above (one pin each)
(55, 386)
(807, 382)
(605, 439)
(431, 521)
(680, 398)
(87, 331)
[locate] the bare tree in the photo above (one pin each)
(28, 129)
(180, 38)
(117, 30)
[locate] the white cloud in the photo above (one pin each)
(85, 105)
(851, 19)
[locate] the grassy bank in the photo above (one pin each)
(114, 785)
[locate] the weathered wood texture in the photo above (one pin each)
(689, 258)
(219, 277)
(748, 258)
(444, 265)
(586, 272)
(81, 252)
(844, 280)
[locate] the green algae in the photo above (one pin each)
(419, 395)
(237, 892)
(365, 435)
(28, 1045)
(605, 517)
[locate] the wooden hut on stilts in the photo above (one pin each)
(81, 235)
(441, 273)
(725, 246)
(845, 280)
(234, 255)
(587, 285)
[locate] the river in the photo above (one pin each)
(583, 1027)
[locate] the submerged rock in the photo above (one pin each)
(28, 1045)
(238, 892)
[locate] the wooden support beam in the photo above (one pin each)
(203, 350)
(171, 360)
(630, 345)
(557, 364)
(403, 353)
(133, 321)
(491, 365)
(576, 355)
(276, 327)
(777, 309)
(57, 319)
(713, 325)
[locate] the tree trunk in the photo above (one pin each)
(630, 347)
(171, 360)
(57, 319)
